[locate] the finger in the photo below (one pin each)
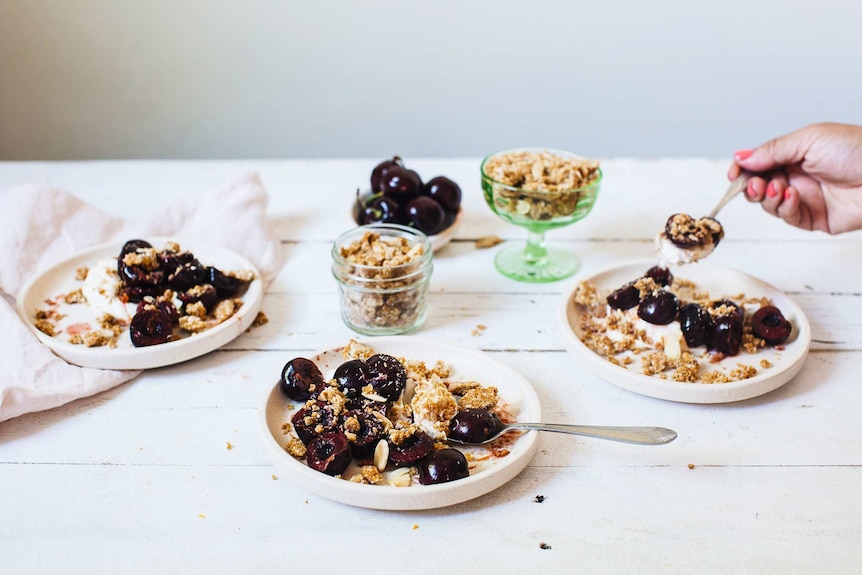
(790, 209)
(782, 151)
(756, 190)
(774, 196)
(734, 171)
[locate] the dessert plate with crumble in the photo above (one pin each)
(705, 376)
(399, 487)
(95, 332)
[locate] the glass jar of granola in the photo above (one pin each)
(382, 272)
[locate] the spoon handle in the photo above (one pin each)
(639, 435)
(736, 186)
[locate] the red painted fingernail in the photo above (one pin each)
(770, 190)
(787, 194)
(743, 154)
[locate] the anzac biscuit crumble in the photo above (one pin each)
(622, 338)
(538, 186)
(431, 398)
(384, 281)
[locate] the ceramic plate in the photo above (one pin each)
(484, 476)
(718, 282)
(60, 279)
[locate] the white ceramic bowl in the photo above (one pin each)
(786, 362)
(60, 279)
(465, 364)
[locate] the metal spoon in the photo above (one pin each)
(639, 435)
(736, 186)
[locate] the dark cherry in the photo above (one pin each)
(443, 465)
(301, 379)
(188, 275)
(170, 310)
(426, 215)
(717, 230)
(307, 419)
(380, 170)
(166, 306)
(401, 184)
(386, 375)
(150, 327)
(351, 377)
(658, 308)
(737, 309)
(696, 324)
(625, 297)
(365, 404)
(726, 334)
(413, 449)
(685, 240)
(367, 430)
(136, 276)
(474, 425)
(225, 285)
(135, 294)
(770, 324)
(445, 192)
(329, 453)
(129, 247)
(381, 209)
(660, 275)
(205, 294)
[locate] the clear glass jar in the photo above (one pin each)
(383, 272)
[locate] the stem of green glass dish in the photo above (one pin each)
(535, 251)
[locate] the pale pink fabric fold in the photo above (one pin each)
(41, 225)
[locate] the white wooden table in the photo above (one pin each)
(140, 480)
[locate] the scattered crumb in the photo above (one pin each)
(765, 363)
(539, 499)
(415, 526)
(229, 446)
(202, 516)
(81, 273)
(260, 319)
(274, 477)
(691, 465)
(46, 327)
(544, 545)
(74, 297)
(478, 330)
(488, 242)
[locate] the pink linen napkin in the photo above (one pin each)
(40, 226)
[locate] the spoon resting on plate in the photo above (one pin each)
(637, 435)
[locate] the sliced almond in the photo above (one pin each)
(381, 454)
(374, 397)
(401, 477)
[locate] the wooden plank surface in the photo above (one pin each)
(140, 480)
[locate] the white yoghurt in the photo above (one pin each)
(671, 254)
(102, 289)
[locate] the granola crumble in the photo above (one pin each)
(538, 185)
(384, 281)
(614, 335)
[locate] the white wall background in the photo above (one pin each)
(83, 79)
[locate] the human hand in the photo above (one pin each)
(810, 178)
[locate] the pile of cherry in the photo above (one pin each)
(156, 317)
(398, 196)
(718, 325)
(336, 437)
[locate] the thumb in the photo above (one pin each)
(776, 153)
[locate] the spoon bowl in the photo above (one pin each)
(636, 435)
